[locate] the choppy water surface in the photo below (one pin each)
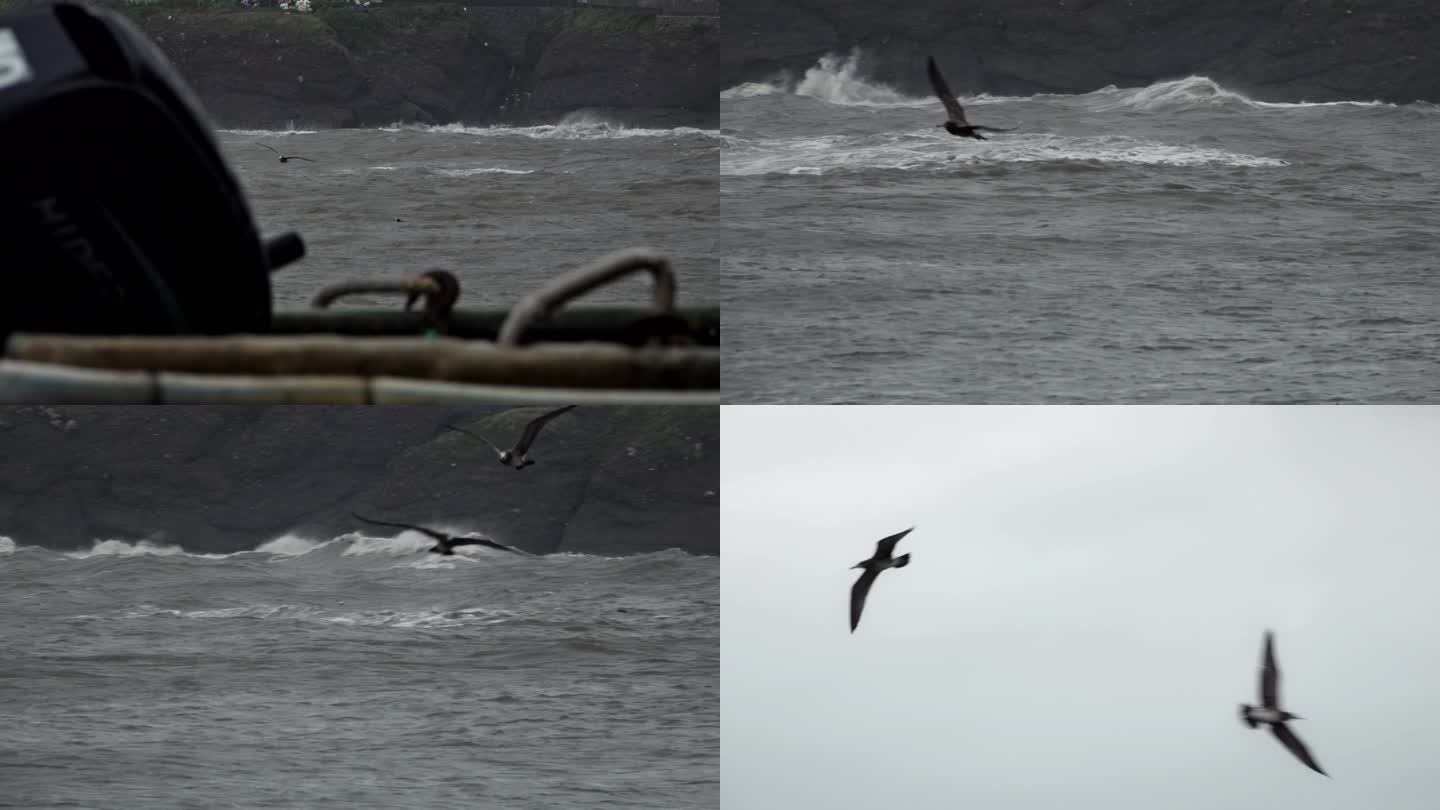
(360, 672)
(1173, 243)
(504, 208)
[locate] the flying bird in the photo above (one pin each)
(285, 158)
(445, 543)
(1269, 711)
(957, 125)
(519, 455)
(873, 567)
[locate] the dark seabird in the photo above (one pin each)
(957, 125)
(444, 543)
(873, 567)
(1269, 711)
(518, 456)
(285, 158)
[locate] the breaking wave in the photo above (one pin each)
(1197, 92)
(837, 79)
(834, 80)
(405, 543)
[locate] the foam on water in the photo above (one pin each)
(290, 545)
(268, 133)
(752, 90)
(838, 79)
(1197, 92)
(575, 126)
(436, 616)
(481, 170)
(931, 153)
(142, 548)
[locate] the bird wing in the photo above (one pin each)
(297, 157)
(481, 541)
(952, 104)
(533, 429)
(886, 547)
(858, 592)
(444, 538)
(271, 148)
(474, 436)
(1269, 675)
(1288, 739)
(993, 129)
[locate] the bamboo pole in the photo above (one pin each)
(41, 383)
(570, 366)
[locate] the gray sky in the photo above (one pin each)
(1082, 615)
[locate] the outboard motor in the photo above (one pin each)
(118, 214)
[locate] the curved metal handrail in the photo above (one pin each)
(440, 288)
(572, 285)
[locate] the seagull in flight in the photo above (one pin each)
(873, 567)
(285, 158)
(444, 543)
(519, 455)
(956, 125)
(1270, 713)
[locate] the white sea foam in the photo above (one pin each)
(838, 79)
(575, 126)
(1197, 92)
(291, 545)
(481, 170)
(929, 153)
(753, 89)
(142, 548)
(268, 133)
(422, 618)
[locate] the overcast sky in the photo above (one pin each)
(1083, 612)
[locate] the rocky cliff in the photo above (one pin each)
(1315, 50)
(607, 480)
(344, 66)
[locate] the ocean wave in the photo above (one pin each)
(753, 89)
(575, 126)
(480, 170)
(425, 618)
(290, 546)
(141, 548)
(929, 153)
(837, 79)
(1198, 92)
(268, 133)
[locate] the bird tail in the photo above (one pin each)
(1245, 715)
(902, 561)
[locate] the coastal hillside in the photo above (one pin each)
(1275, 50)
(607, 480)
(372, 63)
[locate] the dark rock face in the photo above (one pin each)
(437, 64)
(1279, 50)
(607, 480)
